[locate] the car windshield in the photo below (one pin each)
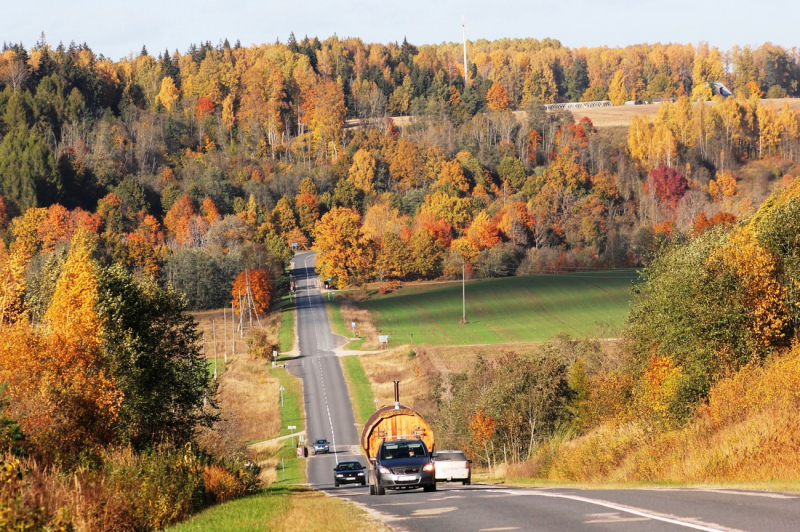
(349, 466)
(411, 449)
(322, 442)
(443, 457)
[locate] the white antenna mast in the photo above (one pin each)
(464, 37)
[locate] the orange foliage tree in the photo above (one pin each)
(483, 232)
(178, 220)
(481, 428)
(254, 286)
(497, 98)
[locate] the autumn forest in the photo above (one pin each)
(133, 191)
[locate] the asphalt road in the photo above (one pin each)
(329, 413)
(497, 508)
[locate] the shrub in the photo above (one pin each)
(260, 344)
(221, 485)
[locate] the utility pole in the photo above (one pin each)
(233, 329)
(463, 291)
(214, 334)
(225, 331)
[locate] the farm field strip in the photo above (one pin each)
(513, 309)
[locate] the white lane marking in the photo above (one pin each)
(633, 511)
(616, 520)
(434, 511)
(398, 504)
(767, 495)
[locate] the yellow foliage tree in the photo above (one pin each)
(362, 171)
(169, 94)
(72, 311)
(57, 380)
(761, 294)
(452, 173)
(769, 130)
(345, 253)
(616, 89)
(657, 389)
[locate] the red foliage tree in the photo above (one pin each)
(668, 185)
(3, 214)
(204, 107)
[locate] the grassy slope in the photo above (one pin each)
(514, 309)
(272, 505)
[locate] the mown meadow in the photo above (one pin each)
(509, 310)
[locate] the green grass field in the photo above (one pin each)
(361, 393)
(286, 334)
(292, 409)
(512, 309)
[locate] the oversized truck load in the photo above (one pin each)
(398, 430)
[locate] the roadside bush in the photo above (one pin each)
(261, 344)
(163, 485)
(25, 504)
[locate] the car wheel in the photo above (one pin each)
(336, 484)
(371, 489)
(432, 487)
(467, 483)
(363, 482)
(380, 490)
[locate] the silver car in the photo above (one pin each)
(452, 466)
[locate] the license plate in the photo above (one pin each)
(406, 478)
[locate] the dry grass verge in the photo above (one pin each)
(313, 510)
(247, 395)
(365, 327)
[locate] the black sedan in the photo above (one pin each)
(349, 472)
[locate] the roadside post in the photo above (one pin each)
(282, 389)
(353, 325)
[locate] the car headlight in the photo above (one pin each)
(384, 470)
(361, 474)
(428, 467)
(339, 475)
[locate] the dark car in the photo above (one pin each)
(348, 473)
(321, 445)
(403, 464)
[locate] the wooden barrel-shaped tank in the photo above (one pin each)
(394, 422)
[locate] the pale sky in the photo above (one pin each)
(116, 28)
